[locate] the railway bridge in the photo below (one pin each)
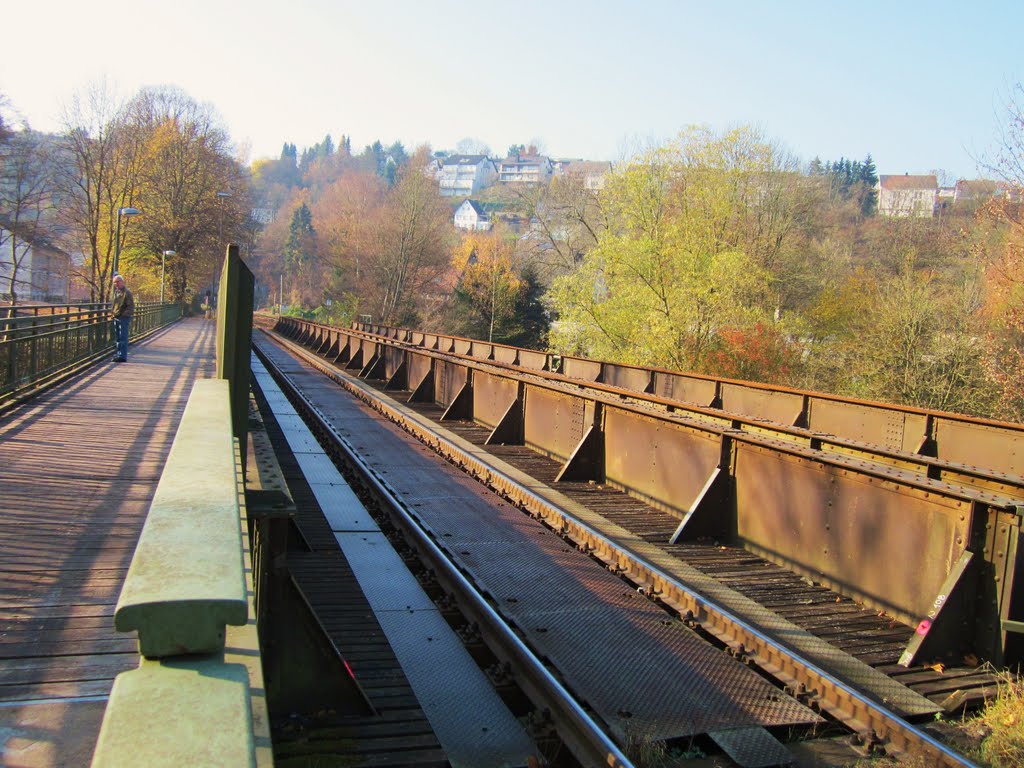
(377, 546)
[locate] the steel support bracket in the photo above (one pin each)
(509, 430)
(355, 361)
(700, 519)
(939, 633)
(373, 369)
(424, 392)
(399, 379)
(462, 405)
(587, 460)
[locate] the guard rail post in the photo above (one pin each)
(234, 338)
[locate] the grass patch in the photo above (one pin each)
(1002, 725)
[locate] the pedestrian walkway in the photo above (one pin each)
(78, 468)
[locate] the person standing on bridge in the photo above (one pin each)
(122, 309)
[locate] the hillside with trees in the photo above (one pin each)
(716, 252)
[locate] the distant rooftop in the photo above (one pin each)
(906, 181)
(464, 159)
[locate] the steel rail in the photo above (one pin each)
(589, 743)
(874, 722)
(976, 477)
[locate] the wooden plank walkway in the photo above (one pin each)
(78, 469)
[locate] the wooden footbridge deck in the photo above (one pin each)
(78, 469)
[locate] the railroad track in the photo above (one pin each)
(741, 603)
(962, 522)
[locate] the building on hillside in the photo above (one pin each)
(591, 172)
(470, 216)
(907, 195)
(531, 170)
(432, 170)
(976, 190)
(465, 175)
(43, 269)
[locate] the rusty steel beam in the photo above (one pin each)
(954, 437)
(856, 428)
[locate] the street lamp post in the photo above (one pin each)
(117, 236)
(163, 267)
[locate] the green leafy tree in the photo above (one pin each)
(693, 228)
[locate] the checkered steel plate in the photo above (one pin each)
(548, 579)
(317, 468)
(436, 515)
(342, 508)
(299, 438)
(644, 673)
(470, 721)
(752, 747)
(383, 577)
(420, 484)
(652, 677)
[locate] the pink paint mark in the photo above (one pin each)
(923, 627)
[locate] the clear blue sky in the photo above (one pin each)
(917, 84)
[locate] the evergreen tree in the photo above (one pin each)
(397, 153)
(869, 178)
(301, 236)
(308, 155)
(390, 174)
(528, 326)
(326, 146)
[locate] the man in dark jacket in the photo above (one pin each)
(122, 309)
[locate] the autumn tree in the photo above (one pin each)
(98, 177)
(407, 246)
(194, 195)
(346, 214)
(1004, 306)
(489, 287)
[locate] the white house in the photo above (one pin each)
(471, 216)
(42, 269)
(907, 195)
(465, 175)
(531, 170)
(591, 172)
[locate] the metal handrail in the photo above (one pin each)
(39, 346)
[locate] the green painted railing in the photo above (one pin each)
(40, 343)
(198, 696)
(190, 702)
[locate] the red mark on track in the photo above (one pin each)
(923, 627)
